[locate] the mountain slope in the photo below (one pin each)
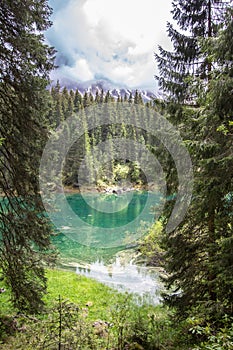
(92, 86)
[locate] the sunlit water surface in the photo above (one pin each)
(113, 265)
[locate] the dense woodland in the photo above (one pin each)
(196, 78)
(64, 104)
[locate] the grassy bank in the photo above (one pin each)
(70, 286)
(82, 313)
(80, 290)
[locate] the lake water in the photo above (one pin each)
(126, 276)
(97, 238)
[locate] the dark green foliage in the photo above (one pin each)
(199, 252)
(64, 104)
(68, 326)
(150, 246)
(187, 60)
(25, 62)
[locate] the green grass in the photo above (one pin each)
(147, 324)
(5, 304)
(73, 287)
(80, 290)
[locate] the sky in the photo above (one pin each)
(108, 39)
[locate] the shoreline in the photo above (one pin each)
(111, 189)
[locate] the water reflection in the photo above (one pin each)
(140, 280)
(79, 217)
(93, 243)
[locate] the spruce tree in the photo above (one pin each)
(196, 19)
(78, 102)
(199, 251)
(25, 62)
(219, 163)
(130, 100)
(97, 97)
(70, 106)
(101, 96)
(107, 97)
(86, 99)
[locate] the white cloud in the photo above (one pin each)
(80, 69)
(108, 38)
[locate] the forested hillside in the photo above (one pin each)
(66, 103)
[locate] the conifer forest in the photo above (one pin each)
(44, 305)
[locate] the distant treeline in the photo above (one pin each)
(102, 165)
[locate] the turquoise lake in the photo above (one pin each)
(98, 233)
